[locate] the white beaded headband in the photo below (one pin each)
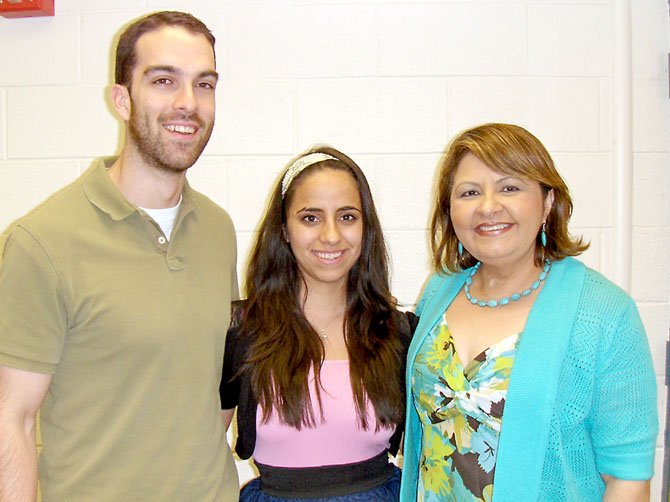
(300, 165)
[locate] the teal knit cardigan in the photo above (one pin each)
(582, 396)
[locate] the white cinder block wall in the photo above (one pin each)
(388, 82)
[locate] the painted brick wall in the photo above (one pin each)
(388, 82)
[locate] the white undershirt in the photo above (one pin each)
(165, 217)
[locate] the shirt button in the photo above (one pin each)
(162, 240)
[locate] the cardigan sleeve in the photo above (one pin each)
(234, 389)
(625, 421)
(407, 322)
(229, 387)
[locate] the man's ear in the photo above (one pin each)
(121, 100)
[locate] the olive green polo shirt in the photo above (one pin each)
(132, 328)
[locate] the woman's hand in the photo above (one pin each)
(622, 490)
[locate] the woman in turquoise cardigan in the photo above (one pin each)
(529, 376)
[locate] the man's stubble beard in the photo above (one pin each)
(170, 157)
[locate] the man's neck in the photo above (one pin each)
(143, 185)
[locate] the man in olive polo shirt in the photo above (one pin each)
(115, 297)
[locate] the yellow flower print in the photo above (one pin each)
(462, 432)
(438, 348)
(434, 464)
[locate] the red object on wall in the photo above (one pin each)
(26, 8)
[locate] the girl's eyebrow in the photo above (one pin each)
(318, 210)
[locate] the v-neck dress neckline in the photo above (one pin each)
(461, 409)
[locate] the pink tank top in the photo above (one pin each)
(339, 439)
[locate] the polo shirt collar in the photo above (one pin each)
(102, 193)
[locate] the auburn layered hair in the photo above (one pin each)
(285, 347)
(511, 150)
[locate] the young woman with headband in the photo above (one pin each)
(315, 357)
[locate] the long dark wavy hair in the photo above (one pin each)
(512, 150)
(285, 347)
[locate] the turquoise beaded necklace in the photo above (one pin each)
(505, 299)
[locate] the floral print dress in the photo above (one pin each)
(461, 414)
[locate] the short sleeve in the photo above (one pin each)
(625, 420)
(33, 314)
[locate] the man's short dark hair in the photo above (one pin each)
(125, 49)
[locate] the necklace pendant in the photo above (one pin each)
(321, 331)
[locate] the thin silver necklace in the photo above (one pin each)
(322, 331)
